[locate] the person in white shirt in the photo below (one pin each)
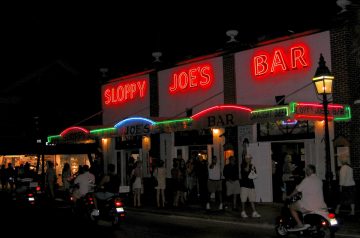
(347, 187)
(214, 182)
(312, 199)
(86, 181)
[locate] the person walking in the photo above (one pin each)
(347, 187)
(247, 187)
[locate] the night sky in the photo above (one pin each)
(51, 55)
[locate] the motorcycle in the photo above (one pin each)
(27, 193)
(321, 223)
(111, 210)
(82, 206)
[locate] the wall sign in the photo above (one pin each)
(280, 60)
(195, 77)
(124, 92)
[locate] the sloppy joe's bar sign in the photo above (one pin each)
(124, 92)
(193, 78)
(280, 60)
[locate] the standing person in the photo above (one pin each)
(109, 184)
(3, 177)
(138, 183)
(247, 187)
(51, 179)
(288, 176)
(312, 199)
(231, 174)
(191, 179)
(66, 177)
(347, 187)
(160, 174)
(214, 182)
(11, 176)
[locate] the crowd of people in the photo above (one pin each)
(197, 180)
(200, 181)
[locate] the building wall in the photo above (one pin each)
(347, 87)
(293, 81)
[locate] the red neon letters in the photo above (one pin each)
(192, 78)
(265, 63)
(124, 92)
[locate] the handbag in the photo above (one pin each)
(252, 174)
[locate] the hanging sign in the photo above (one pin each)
(221, 116)
(270, 114)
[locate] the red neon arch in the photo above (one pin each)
(73, 128)
(220, 107)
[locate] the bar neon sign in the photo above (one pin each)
(125, 91)
(280, 60)
(193, 78)
(73, 129)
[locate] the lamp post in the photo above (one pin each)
(323, 83)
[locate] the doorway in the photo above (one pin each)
(288, 162)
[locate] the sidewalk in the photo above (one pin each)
(269, 211)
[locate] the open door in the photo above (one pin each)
(261, 153)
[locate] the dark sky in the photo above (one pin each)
(52, 54)
(122, 37)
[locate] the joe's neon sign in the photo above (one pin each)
(124, 92)
(280, 60)
(192, 78)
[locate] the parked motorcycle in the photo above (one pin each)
(321, 223)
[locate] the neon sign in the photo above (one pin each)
(124, 92)
(73, 129)
(193, 78)
(315, 111)
(270, 114)
(280, 60)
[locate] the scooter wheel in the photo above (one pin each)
(281, 231)
(325, 232)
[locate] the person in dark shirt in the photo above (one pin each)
(109, 184)
(247, 187)
(231, 174)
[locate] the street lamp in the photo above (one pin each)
(323, 83)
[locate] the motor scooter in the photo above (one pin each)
(321, 223)
(82, 206)
(111, 210)
(27, 193)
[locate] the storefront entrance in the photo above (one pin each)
(288, 161)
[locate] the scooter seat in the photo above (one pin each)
(296, 228)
